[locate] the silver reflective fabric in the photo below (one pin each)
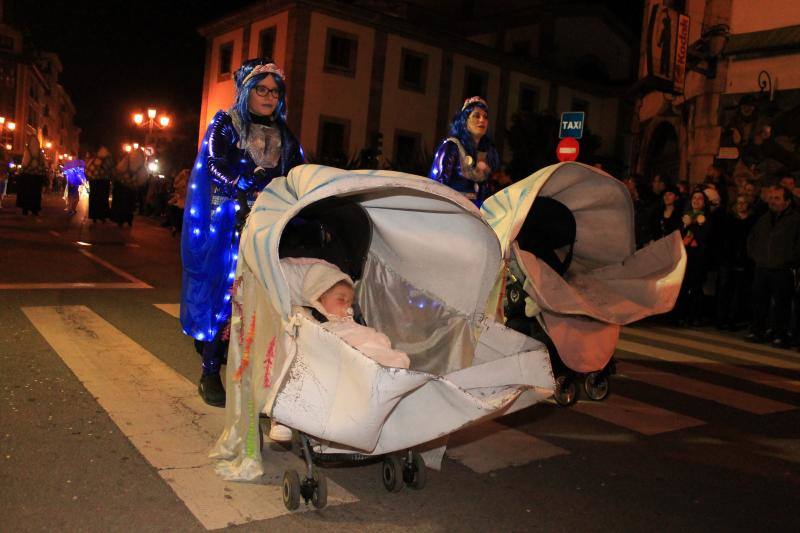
(441, 340)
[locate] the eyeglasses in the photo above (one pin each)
(261, 90)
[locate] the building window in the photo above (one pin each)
(340, 53)
(413, 70)
(32, 118)
(266, 43)
(476, 82)
(45, 131)
(333, 141)
(406, 151)
(579, 104)
(225, 61)
(528, 99)
(521, 48)
(46, 111)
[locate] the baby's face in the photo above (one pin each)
(338, 300)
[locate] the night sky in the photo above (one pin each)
(122, 56)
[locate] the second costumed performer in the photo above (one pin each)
(243, 149)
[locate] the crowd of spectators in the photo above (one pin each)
(742, 240)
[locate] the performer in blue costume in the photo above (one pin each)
(243, 149)
(465, 160)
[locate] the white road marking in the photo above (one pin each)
(54, 233)
(747, 355)
(491, 446)
(715, 337)
(700, 389)
(118, 271)
(161, 413)
(66, 285)
(170, 309)
(747, 374)
(637, 416)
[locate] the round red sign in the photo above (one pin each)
(567, 149)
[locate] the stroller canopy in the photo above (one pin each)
(601, 207)
(428, 234)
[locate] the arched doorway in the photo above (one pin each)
(663, 154)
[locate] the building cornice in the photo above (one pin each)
(429, 34)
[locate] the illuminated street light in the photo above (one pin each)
(11, 126)
(151, 113)
(138, 118)
(127, 147)
(152, 166)
(48, 145)
(164, 121)
(8, 147)
(2, 120)
(135, 146)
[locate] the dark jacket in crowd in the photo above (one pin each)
(734, 232)
(774, 241)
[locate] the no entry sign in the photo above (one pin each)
(567, 149)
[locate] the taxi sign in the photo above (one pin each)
(571, 124)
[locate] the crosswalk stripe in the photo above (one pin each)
(710, 365)
(725, 339)
(491, 446)
(700, 389)
(748, 355)
(161, 413)
(170, 309)
(636, 416)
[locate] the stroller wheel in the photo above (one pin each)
(392, 473)
(320, 496)
(596, 386)
(566, 392)
(291, 490)
(414, 472)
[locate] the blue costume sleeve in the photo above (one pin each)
(446, 163)
(221, 137)
(209, 242)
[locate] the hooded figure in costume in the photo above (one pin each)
(466, 159)
(32, 178)
(243, 149)
(98, 172)
(128, 173)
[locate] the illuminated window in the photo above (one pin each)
(413, 70)
(340, 53)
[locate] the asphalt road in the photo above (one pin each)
(700, 433)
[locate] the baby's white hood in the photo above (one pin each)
(319, 278)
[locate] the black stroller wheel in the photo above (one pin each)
(596, 386)
(566, 391)
(416, 472)
(320, 496)
(392, 473)
(291, 490)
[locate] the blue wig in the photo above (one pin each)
(458, 129)
(243, 91)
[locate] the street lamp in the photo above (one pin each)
(151, 122)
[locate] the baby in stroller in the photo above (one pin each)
(330, 292)
(328, 295)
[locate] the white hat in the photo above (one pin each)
(319, 278)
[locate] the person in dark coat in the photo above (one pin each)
(774, 247)
(32, 178)
(668, 216)
(735, 268)
(98, 171)
(695, 232)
